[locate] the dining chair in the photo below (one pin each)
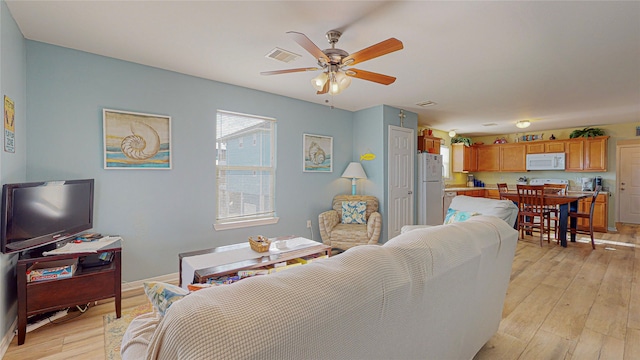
(532, 213)
(502, 188)
(589, 216)
(554, 210)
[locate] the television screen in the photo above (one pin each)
(40, 213)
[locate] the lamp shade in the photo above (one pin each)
(339, 82)
(354, 171)
(319, 81)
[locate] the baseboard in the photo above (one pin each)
(6, 340)
(136, 287)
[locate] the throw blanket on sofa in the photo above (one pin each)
(433, 293)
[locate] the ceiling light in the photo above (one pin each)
(452, 133)
(319, 81)
(339, 82)
(523, 124)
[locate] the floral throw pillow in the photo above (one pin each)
(163, 295)
(353, 212)
(454, 216)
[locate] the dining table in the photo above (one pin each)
(567, 202)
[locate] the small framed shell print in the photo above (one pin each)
(136, 141)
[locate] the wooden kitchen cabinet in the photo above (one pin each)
(513, 157)
(502, 157)
(473, 192)
(595, 151)
(551, 146)
(586, 154)
(492, 194)
(429, 142)
(600, 213)
(488, 157)
(463, 158)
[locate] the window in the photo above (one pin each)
(446, 161)
(245, 175)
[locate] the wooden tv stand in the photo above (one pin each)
(85, 286)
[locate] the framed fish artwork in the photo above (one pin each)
(136, 140)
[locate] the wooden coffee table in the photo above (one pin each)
(224, 260)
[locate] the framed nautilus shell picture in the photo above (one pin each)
(136, 141)
(318, 153)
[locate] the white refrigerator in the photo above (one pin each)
(430, 189)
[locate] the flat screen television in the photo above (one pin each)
(42, 213)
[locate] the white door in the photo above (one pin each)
(629, 184)
(401, 173)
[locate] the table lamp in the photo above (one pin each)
(354, 171)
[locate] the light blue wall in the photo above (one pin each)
(161, 213)
(12, 165)
(371, 133)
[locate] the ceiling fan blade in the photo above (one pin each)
(370, 76)
(308, 45)
(324, 90)
(382, 48)
(276, 72)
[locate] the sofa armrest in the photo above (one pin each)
(326, 222)
(374, 226)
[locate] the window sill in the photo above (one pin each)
(246, 223)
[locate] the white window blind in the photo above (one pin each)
(245, 175)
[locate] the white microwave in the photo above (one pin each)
(551, 161)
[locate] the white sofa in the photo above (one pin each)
(503, 209)
(433, 293)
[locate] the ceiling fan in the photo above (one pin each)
(335, 77)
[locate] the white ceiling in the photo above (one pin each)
(561, 64)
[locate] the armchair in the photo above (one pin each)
(344, 236)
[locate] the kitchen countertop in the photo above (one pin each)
(466, 188)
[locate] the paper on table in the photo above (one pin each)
(85, 246)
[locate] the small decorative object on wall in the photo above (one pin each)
(136, 140)
(317, 153)
(9, 125)
(368, 156)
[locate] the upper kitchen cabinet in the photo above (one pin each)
(429, 144)
(586, 154)
(463, 158)
(552, 146)
(502, 157)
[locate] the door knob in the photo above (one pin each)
(410, 192)
(621, 188)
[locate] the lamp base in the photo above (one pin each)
(353, 186)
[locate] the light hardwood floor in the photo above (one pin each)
(562, 303)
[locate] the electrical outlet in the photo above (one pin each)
(308, 224)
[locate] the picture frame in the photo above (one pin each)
(317, 153)
(135, 140)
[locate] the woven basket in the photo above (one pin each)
(260, 245)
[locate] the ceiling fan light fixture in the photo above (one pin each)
(339, 82)
(319, 81)
(523, 124)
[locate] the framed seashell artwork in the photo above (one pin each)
(136, 140)
(317, 153)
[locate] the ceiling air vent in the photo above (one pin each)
(489, 124)
(282, 55)
(426, 103)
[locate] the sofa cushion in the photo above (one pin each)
(454, 216)
(162, 295)
(353, 212)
